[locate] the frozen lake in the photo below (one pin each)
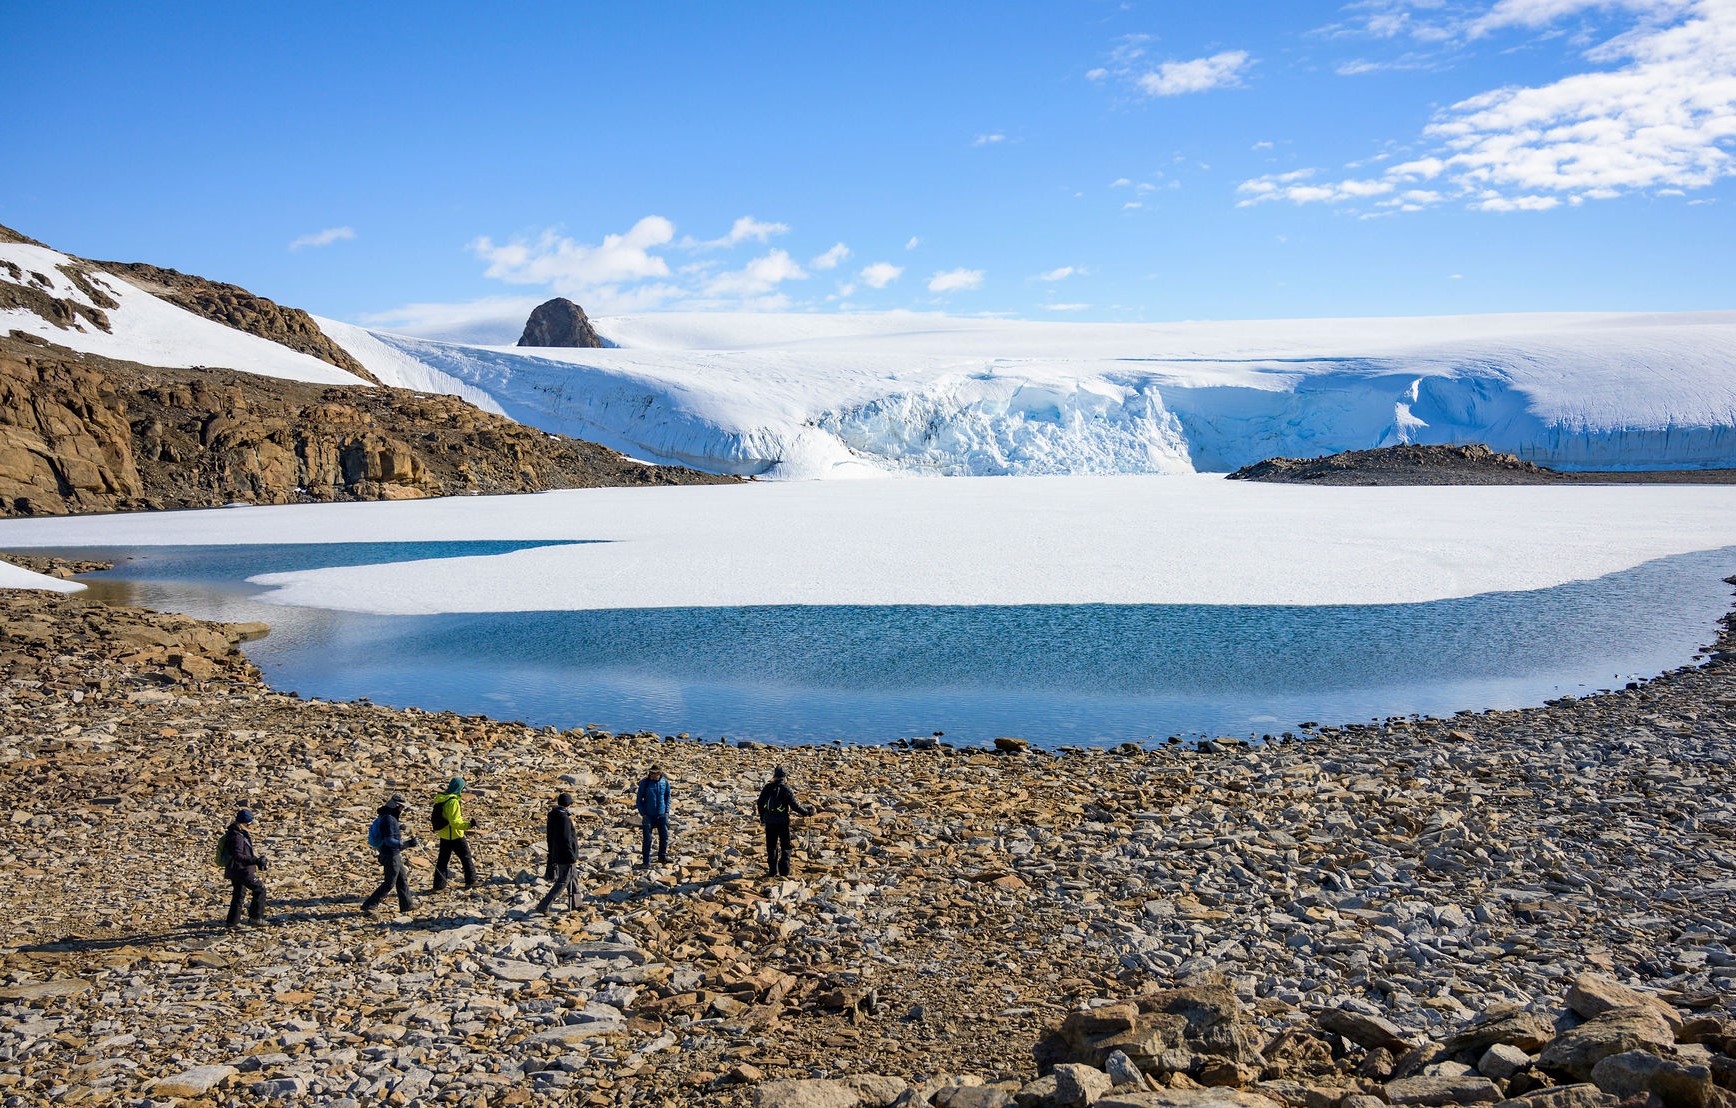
(1065, 611)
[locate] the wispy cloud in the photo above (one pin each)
(831, 258)
(1660, 115)
(556, 260)
(956, 280)
(323, 238)
(1223, 70)
(1061, 273)
(745, 229)
(1066, 307)
(913, 242)
(881, 274)
(988, 140)
(758, 277)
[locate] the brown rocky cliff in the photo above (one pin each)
(81, 434)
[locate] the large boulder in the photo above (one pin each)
(1506, 1026)
(1638, 1072)
(1574, 1052)
(1189, 1030)
(560, 322)
(1593, 994)
(1431, 1092)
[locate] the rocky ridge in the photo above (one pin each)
(1397, 912)
(79, 433)
(1471, 464)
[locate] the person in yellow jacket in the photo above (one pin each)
(449, 827)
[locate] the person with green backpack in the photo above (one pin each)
(386, 838)
(241, 865)
(450, 827)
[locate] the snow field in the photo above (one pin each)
(1079, 540)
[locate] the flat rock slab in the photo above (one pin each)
(1365, 1031)
(574, 1034)
(806, 1093)
(1185, 1098)
(510, 969)
(1564, 1096)
(1574, 1052)
(1432, 1091)
(45, 990)
(194, 1082)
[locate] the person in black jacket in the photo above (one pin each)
(242, 865)
(776, 802)
(386, 836)
(563, 850)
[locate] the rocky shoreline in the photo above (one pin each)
(1422, 912)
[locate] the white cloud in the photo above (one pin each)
(989, 140)
(745, 229)
(956, 280)
(553, 259)
(1120, 183)
(831, 258)
(758, 278)
(324, 238)
(1221, 70)
(1096, 74)
(1662, 114)
(913, 243)
(1061, 274)
(1066, 307)
(881, 274)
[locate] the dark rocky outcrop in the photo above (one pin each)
(560, 322)
(80, 433)
(1472, 464)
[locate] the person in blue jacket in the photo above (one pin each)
(386, 836)
(653, 804)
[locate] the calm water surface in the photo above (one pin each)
(1055, 674)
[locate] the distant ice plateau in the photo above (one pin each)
(820, 396)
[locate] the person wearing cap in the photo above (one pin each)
(653, 804)
(776, 801)
(241, 865)
(449, 827)
(386, 836)
(563, 841)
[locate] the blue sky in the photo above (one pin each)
(439, 168)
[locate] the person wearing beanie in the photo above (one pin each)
(387, 838)
(449, 827)
(563, 841)
(653, 804)
(776, 801)
(241, 865)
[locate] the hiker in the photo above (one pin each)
(653, 804)
(776, 802)
(386, 836)
(563, 851)
(241, 865)
(449, 827)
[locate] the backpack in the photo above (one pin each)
(377, 833)
(439, 815)
(223, 850)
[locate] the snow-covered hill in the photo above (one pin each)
(140, 327)
(805, 396)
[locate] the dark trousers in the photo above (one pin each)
(660, 824)
(449, 847)
(778, 846)
(393, 876)
(239, 888)
(563, 877)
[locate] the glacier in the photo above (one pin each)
(804, 396)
